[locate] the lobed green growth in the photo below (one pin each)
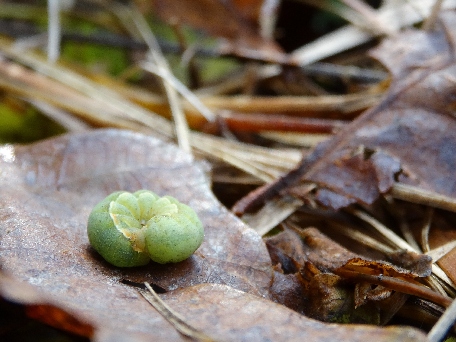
(130, 229)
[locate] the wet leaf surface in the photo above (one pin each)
(223, 313)
(243, 317)
(48, 190)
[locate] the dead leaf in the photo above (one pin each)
(41, 308)
(223, 313)
(231, 315)
(324, 268)
(226, 19)
(332, 300)
(412, 130)
(48, 189)
(286, 289)
(323, 252)
(420, 265)
(381, 269)
(365, 292)
(287, 249)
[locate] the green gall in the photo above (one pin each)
(128, 229)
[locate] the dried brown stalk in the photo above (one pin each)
(181, 126)
(397, 285)
(417, 195)
(444, 324)
(173, 317)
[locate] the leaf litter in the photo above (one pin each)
(48, 189)
(53, 187)
(406, 140)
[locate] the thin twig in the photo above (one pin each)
(284, 104)
(257, 122)
(345, 71)
(401, 15)
(382, 229)
(440, 329)
(229, 156)
(429, 214)
(417, 195)
(397, 285)
(181, 88)
(268, 18)
(53, 49)
(404, 227)
(172, 317)
(361, 237)
(370, 15)
(63, 118)
(295, 138)
(398, 241)
(271, 214)
(265, 164)
(440, 252)
(182, 130)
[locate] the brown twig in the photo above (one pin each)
(442, 326)
(172, 317)
(257, 122)
(396, 285)
(417, 195)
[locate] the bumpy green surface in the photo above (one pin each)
(175, 236)
(130, 229)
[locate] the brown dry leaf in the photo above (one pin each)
(314, 263)
(231, 315)
(292, 249)
(286, 289)
(48, 189)
(223, 313)
(287, 249)
(410, 136)
(225, 19)
(39, 307)
(382, 269)
(322, 251)
(331, 299)
(310, 245)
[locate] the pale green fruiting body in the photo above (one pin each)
(130, 229)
